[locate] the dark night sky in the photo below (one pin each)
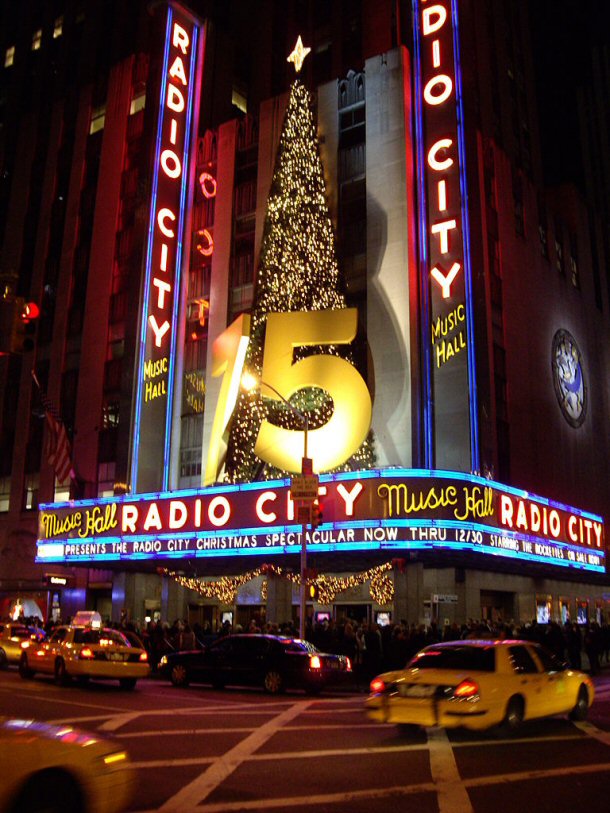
(565, 34)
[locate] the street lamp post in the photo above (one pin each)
(249, 382)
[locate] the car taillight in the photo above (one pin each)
(86, 653)
(377, 686)
(314, 662)
(143, 656)
(348, 665)
(467, 688)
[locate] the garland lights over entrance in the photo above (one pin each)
(225, 588)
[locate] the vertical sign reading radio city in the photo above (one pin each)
(180, 79)
(450, 409)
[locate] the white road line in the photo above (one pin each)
(592, 731)
(55, 701)
(308, 801)
(452, 794)
(182, 732)
(120, 720)
(382, 793)
(188, 732)
(200, 788)
(277, 756)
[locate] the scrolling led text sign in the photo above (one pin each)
(152, 425)
(444, 235)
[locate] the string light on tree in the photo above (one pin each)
(297, 271)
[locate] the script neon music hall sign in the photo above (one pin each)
(447, 319)
(171, 180)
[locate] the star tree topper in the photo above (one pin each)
(298, 55)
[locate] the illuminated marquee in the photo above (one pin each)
(397, 509)
(171, 180)
(451, 414)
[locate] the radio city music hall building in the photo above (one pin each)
(473, 319)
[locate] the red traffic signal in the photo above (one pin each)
(25, 315)
(317, 516)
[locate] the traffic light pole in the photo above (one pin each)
(304, 463)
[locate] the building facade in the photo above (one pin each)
(134, 204)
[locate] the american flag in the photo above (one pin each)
(57, 446)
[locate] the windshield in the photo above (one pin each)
(462, 658)
(103, 637)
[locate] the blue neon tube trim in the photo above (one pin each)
(347, 546)
(472, 371)
(423, 248)
(147, 274)
(394, 472)
(178, 264)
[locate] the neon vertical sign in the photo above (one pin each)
(450, 400)
(154, 386)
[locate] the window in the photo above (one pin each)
(9, 56)
(58, 28)
(98, 119)
(559, 258)
(110, 413)
(138, 102)
(37, 40)
(31, 491)
(468, 658)
(574, 272)
(61, 492)
(239, 100)
(5, 493)
(522, 661)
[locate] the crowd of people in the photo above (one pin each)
(372, 648)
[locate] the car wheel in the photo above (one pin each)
(273, 682)
(24, 669)
(3, 660)
(581, 709)
(128, 683)
(515, 711)
(61, 676)
(179, 675)
(49, 791)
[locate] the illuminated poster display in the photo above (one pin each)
(450, 408)
(390, 509)
(180, 80)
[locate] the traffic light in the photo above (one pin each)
(25, 315)
(313, 591)
(317, 517)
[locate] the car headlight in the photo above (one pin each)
(163, 661)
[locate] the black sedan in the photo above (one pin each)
(270, 661)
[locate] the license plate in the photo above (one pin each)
(414, 690)
(115, 656)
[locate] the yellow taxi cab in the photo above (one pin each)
(83, 652)
(12, 636)
(60, 769)
(479, 684)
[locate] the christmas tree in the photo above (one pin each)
(298, 271)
